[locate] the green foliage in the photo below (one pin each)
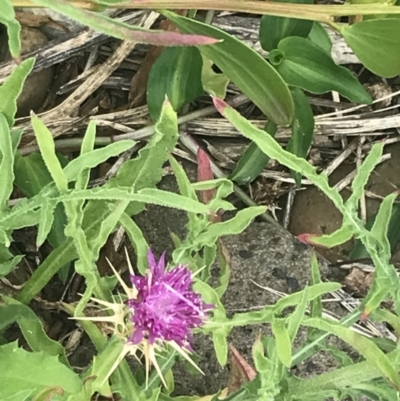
(7, 17)
(274, 29)
(253, 161)
(245, 68)
(34, 372)
(12, 88)
(305, 65)
(176, 74)
(31, 176)
(376, 43)
(121, 30)
(31, 327)
(302, 128)
(77, 221)
(320, 37)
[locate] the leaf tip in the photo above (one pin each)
(219, 104)
(310, 239)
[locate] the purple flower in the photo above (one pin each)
(166, 307)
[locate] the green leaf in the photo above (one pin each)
(283, 343)
(31, 177)
(253, 161)
(302, 128)
(305, 65)
(320, 37)
(219, 333)
(47, 148)
(316, 304)
(7, 266)
(363, 174)
(295, 319)
(232, 226)
(31, 327)
(214, 83)
(338, 237)
(141, 172)
(146, 195)
(121, 30)
(35, 371)
(312, 292)
(46, 222)
(185, 188)
(271, 148)
(95, 157)
(6, 163)
(103, 365)
(247, 69)
(381, 225)
(177, 75)
(363, 345)
(376, 44)
(12, 88)
(138, 241)
(7, 17)
(274, 29)
(393, 234)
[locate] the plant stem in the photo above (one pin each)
(322, 13)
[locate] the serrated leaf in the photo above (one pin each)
(316, 304)
(36, 371)
(102, 367)
(138, 241)
(274, 29)
(12, 88)
(305, 65)
(7, 17)
(176, 74)
(282, 340)
(95, 157)
(146, 195)
(376, 43)
(271, 148)
(295, 319)
(46, 222)
(393, 234)
(47, 149)
(320, 37)
(185, 188)
(363, 345)
(6, 163)
(232, 226)
(87, 146)
(122, 30)
(247, 69)
(363, 174)
(338, 237)
(220, 333)
(312, 292)
(31, 176)
(302, 128)
(141, 172)
(380, 227)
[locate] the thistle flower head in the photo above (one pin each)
(166, 307)
(161, 308)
